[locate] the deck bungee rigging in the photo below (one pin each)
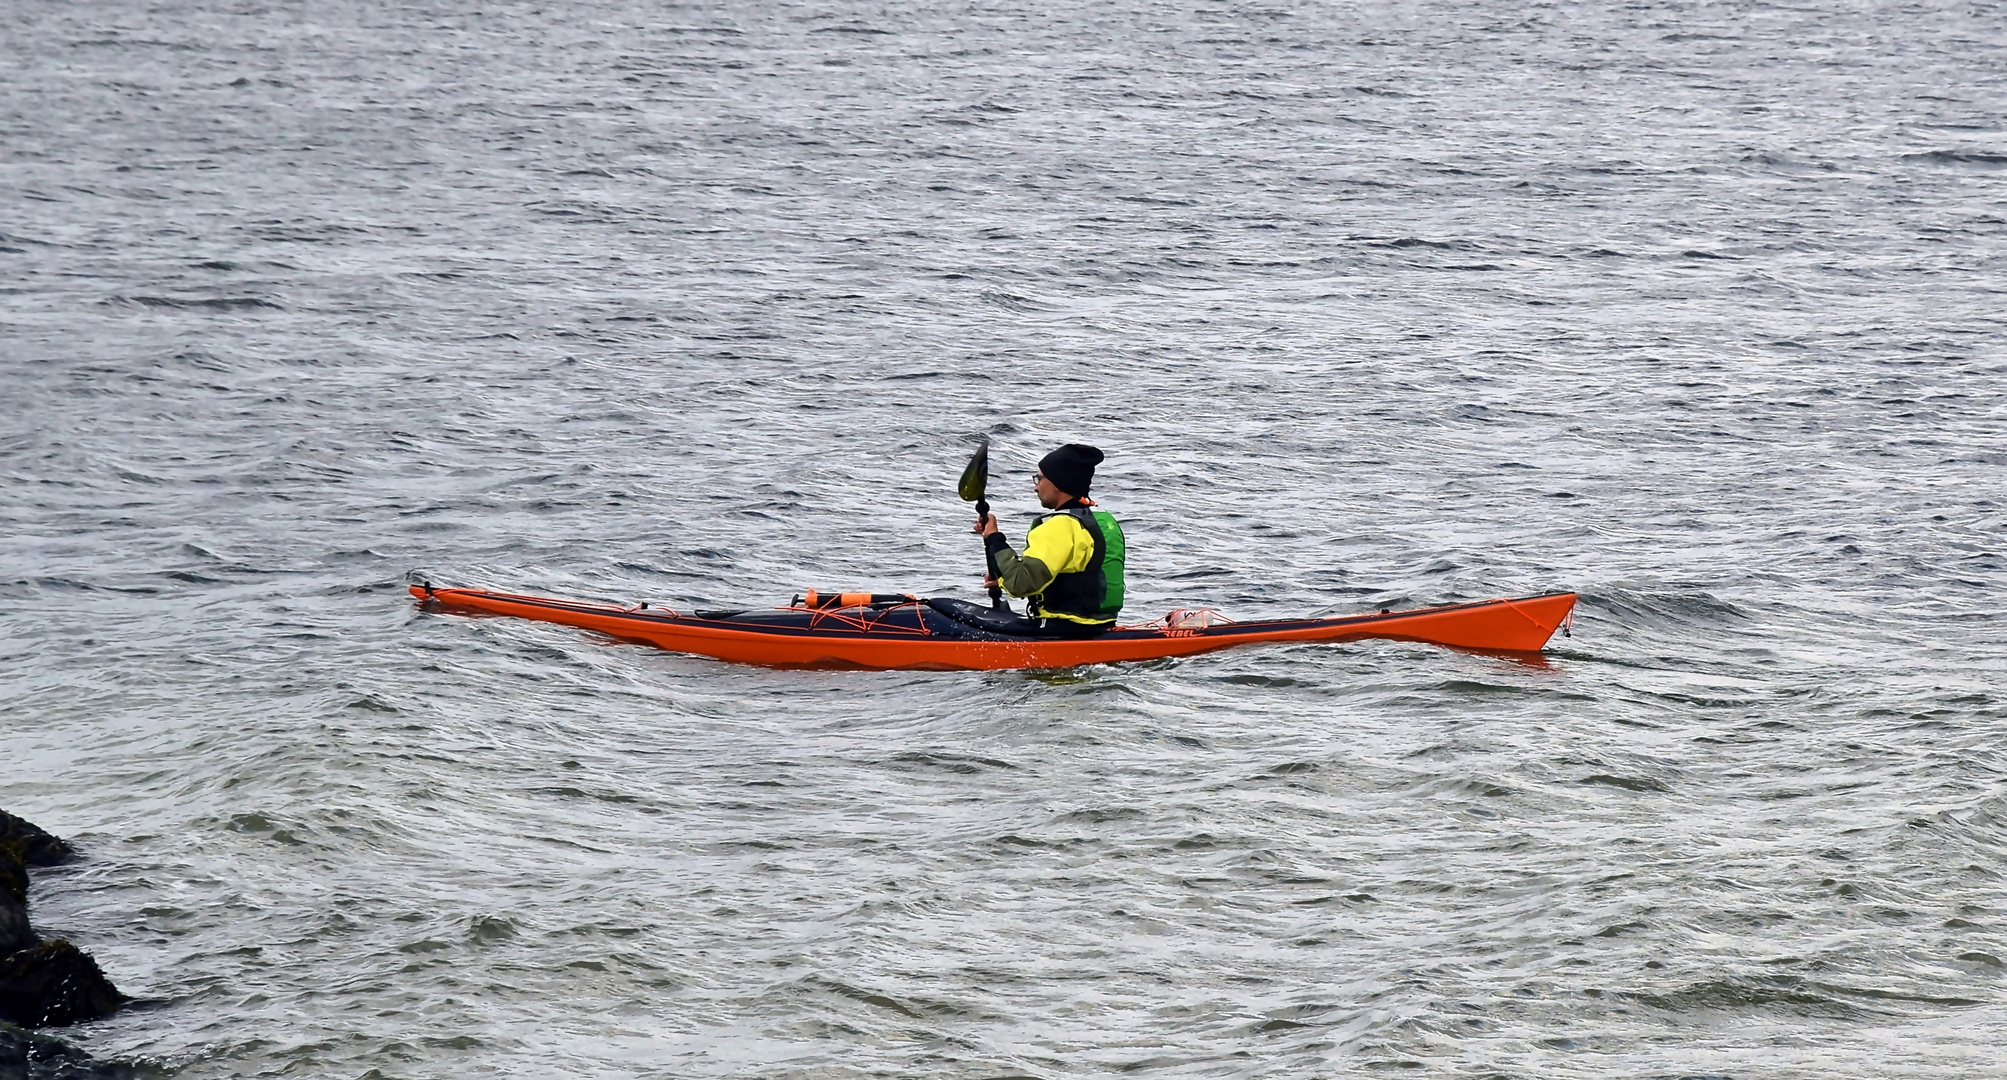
(890, 631)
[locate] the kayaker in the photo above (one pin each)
(1071, 566)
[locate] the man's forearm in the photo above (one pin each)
(1019, 575)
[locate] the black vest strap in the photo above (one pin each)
(1080, 592)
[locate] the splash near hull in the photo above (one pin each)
(942, 635)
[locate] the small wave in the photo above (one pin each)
(1981, 158)
(957, 763)
(1663, 609)
(213, 303)
(1784, 993)
(258, 824)
(1015, 841)
(1291, 768)
(1103, 815)
(1272, 681)
(877, 1000)
(490, 929)
(52, 583)
(1628, 783)
(1788, 162)
(1011, 301)
(1462, 787)
(581, 793)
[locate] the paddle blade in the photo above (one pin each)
(976, 477)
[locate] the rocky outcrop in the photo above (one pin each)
(30, 845)
(14, 931)
(25, 1055)
(22, 845)
(45, 983)
(41, 983)
(52, 984)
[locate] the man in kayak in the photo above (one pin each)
(1071, 566)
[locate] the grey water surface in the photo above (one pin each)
(1699, 309)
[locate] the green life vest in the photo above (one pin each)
(1093, 595)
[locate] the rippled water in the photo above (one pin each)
(1694, 308)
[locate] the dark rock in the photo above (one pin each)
(22, 845)
(41, 984)
(30, 845)
(54, 983)
(14, 931)
(13, 878)
(25, 1055)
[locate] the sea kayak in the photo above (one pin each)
(896, 632)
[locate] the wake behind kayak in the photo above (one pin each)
(906, 633)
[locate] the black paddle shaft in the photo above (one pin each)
(990, 557)
(974, 487)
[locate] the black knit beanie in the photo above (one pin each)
(1071, 468)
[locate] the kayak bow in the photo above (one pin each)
(955, 635)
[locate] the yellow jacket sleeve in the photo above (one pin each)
(1058, 545)
(1061, 543)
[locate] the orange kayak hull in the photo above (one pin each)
(868, 639)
